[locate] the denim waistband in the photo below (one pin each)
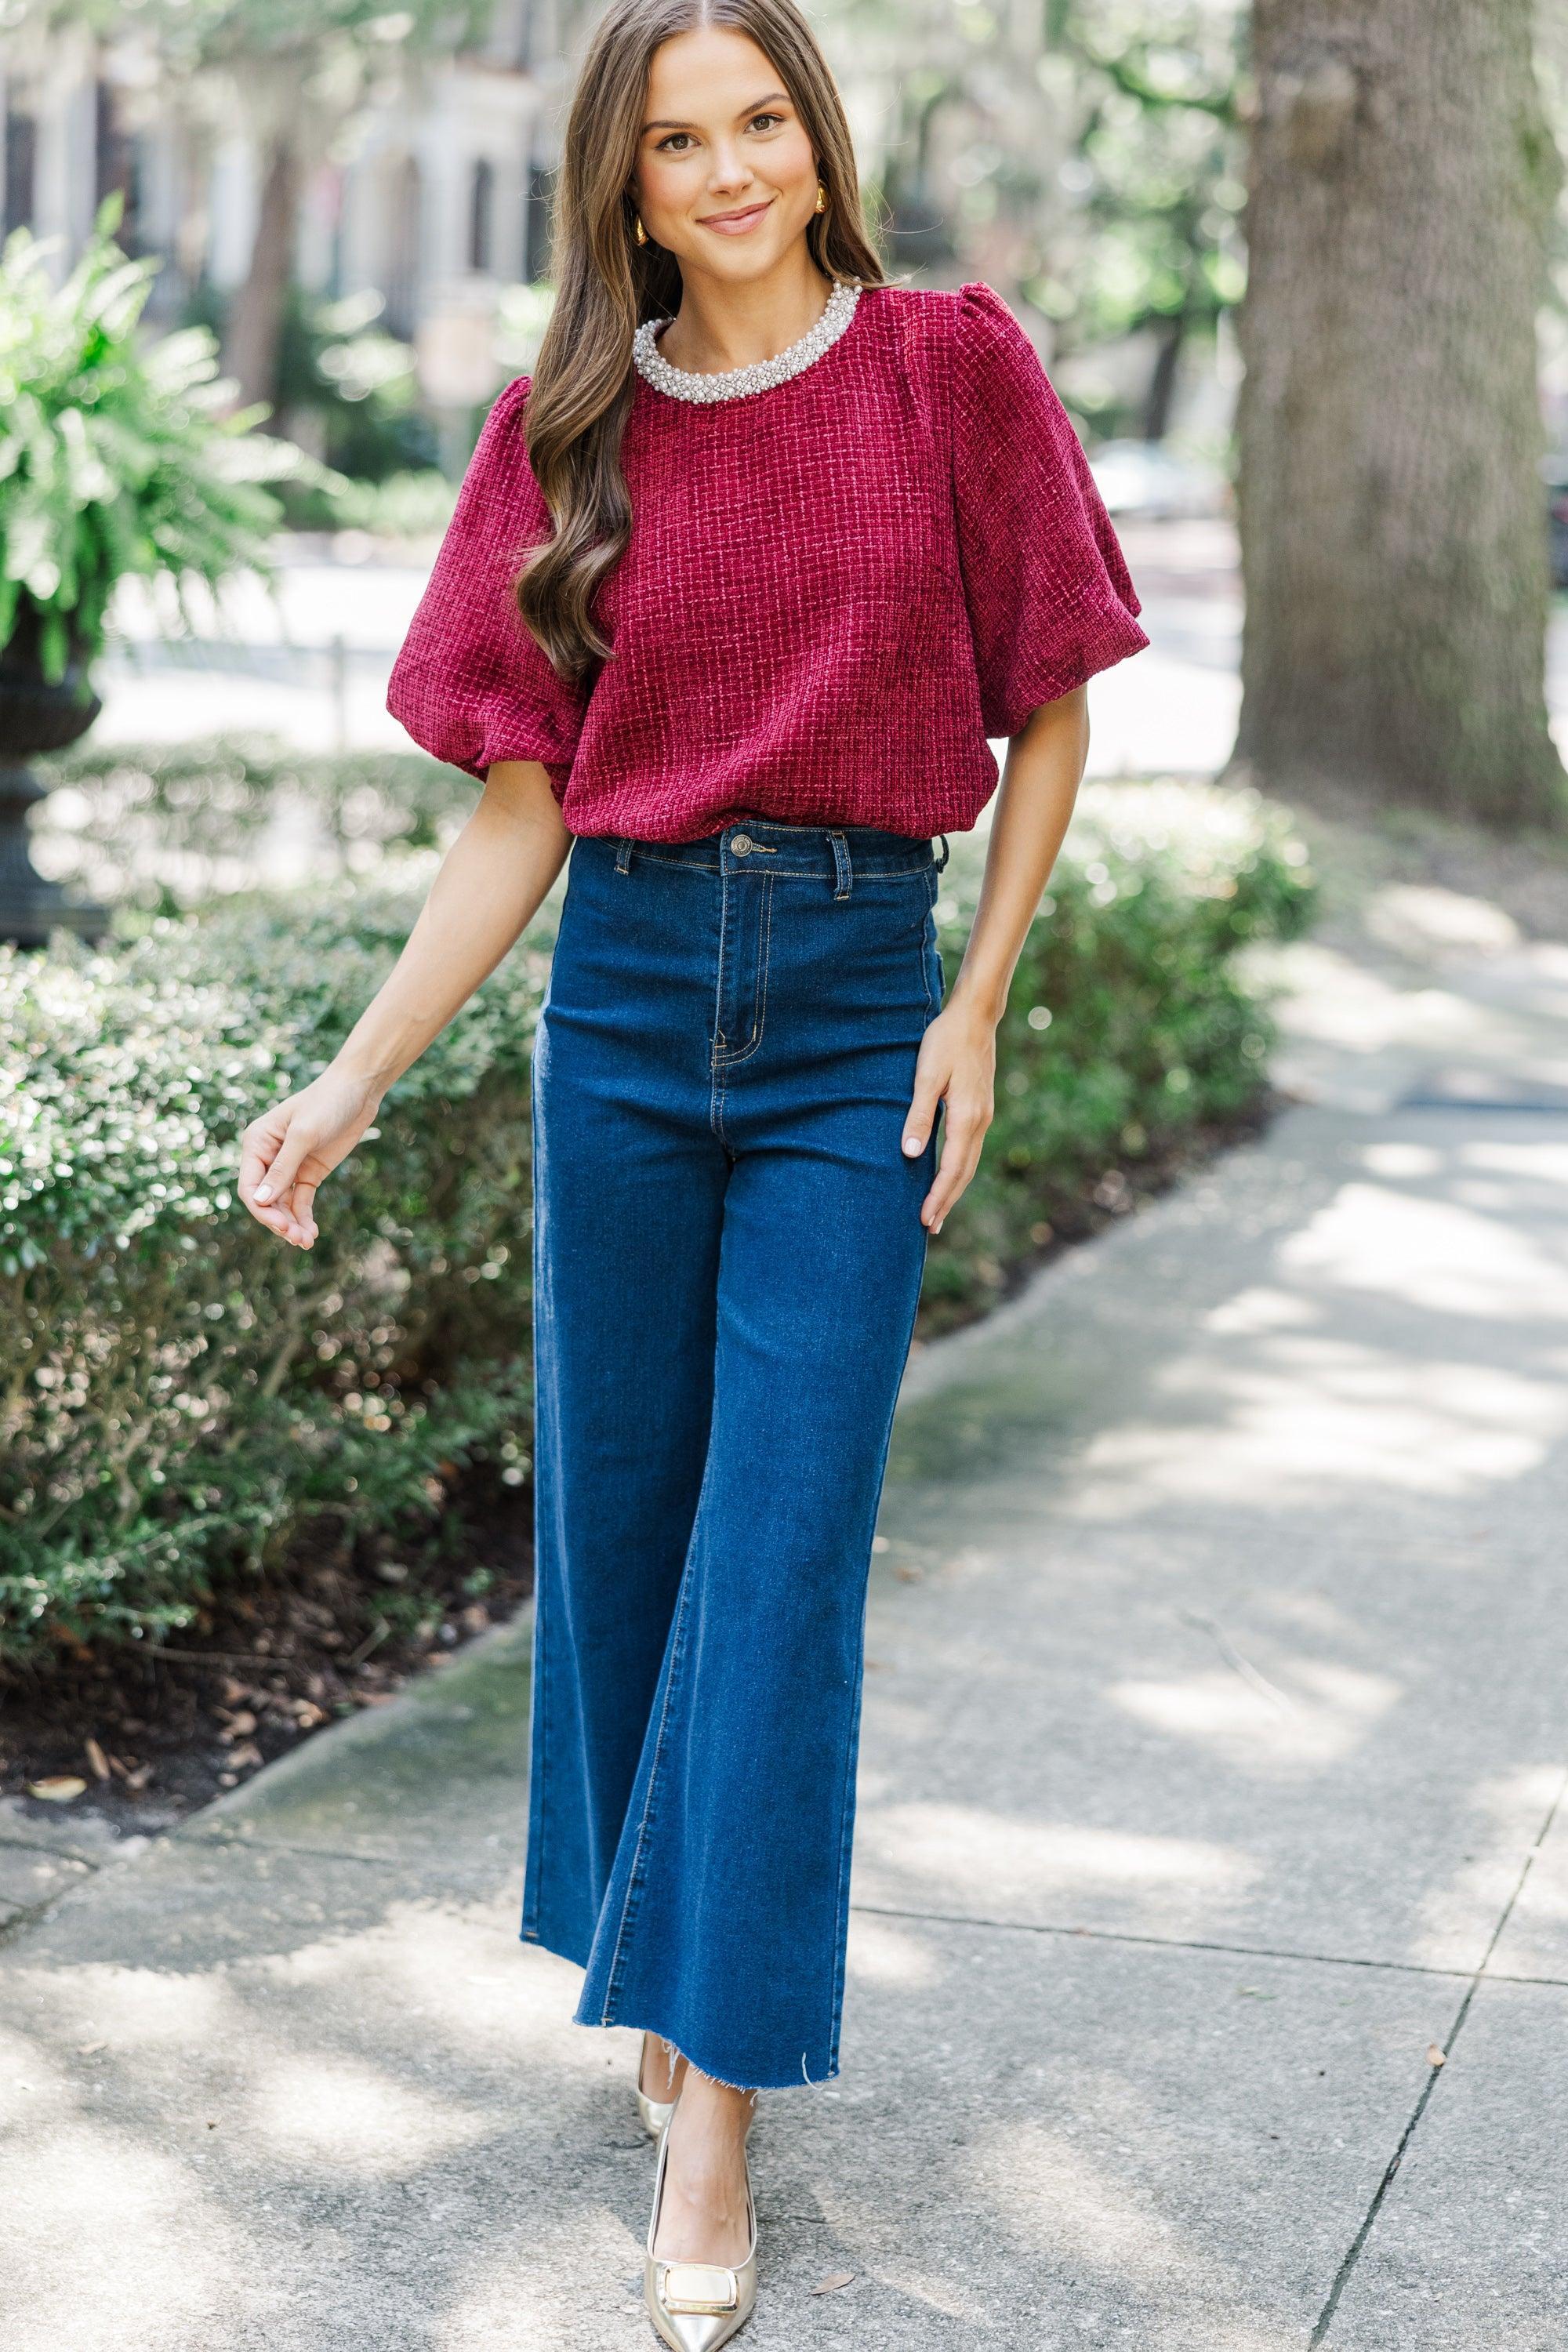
(836, 854)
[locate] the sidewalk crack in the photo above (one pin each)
(1165, 1943)
(53, 1853)
(1352, 2256)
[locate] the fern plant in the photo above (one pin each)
(118, 453)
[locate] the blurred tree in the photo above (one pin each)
(1394, 544)
(290, 73)
(1085, 155)
(298, 70)
(1158, 168)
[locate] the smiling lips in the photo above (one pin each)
(735, 224)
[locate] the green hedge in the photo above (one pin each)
(182, 1397)
(169, 827)
(179, 1395)
(1130, 1029)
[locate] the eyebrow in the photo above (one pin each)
(769, 98)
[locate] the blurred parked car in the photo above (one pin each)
(1144, 478)
(1554, 472)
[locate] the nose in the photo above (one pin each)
(730, 170)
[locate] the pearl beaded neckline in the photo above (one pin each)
(762, 376)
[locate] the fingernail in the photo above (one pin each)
(912, 1143)
(264, 1191)
(937, 1227)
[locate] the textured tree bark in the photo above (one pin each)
(1391, 518)
(256, 320)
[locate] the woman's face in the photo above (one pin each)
(725, 176)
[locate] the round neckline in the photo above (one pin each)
(704, 390)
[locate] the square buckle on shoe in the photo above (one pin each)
(700, 2287)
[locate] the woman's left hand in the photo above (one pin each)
(957, 1067)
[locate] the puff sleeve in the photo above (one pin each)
(1050, 598)
(470, 684)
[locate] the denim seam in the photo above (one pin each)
(840, 1925)
(532, 1922)
(719, 968)
(866, 872)
(846, 1813)
(743, 1053)
(633, 1881)
(928, 944)
(676, 865)
(717, 1065)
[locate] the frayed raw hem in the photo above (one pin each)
(715, 2072)
(695, 2057)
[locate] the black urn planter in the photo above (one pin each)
(36, 717)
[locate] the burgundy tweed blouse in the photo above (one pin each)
(836, 590)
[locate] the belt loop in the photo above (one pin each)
(942, 861)
(623, 854)
(842, 872)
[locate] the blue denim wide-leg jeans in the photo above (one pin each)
(728, 1254)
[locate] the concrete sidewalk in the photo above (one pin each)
(1213, 1749)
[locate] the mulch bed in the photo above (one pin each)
(157, 1730)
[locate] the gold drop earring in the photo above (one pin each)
(638, 229)
(821, 198)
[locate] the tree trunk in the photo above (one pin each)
(1393, 542)
(255, 320)
(1170, 335)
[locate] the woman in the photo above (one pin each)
(729, 611)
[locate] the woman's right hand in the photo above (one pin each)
(287, 1152)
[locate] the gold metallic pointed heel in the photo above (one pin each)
(697, 2306)
(655, 2113)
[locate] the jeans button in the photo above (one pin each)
(741, 843)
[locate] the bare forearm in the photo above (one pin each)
(1044, 767)
(489, 887)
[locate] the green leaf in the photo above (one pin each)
(115, 453)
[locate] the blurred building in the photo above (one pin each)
(444, 182)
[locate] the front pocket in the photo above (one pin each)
(930, 954)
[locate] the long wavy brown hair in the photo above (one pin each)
(606, 285)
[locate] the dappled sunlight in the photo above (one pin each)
(343, 2116)
(1540, 1161)
(1046, 2192)
(107, 2223)
(1534, 1943)
(29, 2079)
(1533, 981)
(1288, 1387)
(1318, 1416)
(1000, 1866)
(1401, 1162)
(1505, 1813)
(531, 2292)
(459, 1970)
(1307, 1611)
(1287, 1719)
(927, 2288)
(129, 2009)
(1423, 918)
(882, 1953)
(1439, 1255)
(1336, 999)
(1260, 1309)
